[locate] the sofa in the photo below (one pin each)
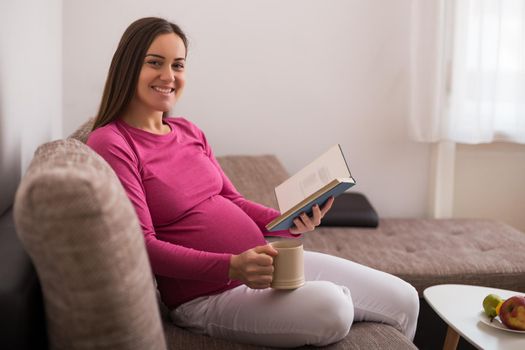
(77, 274)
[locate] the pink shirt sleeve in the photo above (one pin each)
(167, 259)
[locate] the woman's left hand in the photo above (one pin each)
(304, 223)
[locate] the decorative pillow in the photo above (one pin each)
(351, 209)
(82, 233)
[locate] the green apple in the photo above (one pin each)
(490, 303)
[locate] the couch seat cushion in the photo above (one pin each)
(426, 252)
(363, 335)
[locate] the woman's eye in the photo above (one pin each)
(178, 66)
(154, 63)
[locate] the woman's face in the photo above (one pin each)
(161, 78)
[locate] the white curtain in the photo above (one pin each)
(473, 90)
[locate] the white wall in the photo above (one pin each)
(30, 85)
(285, 77)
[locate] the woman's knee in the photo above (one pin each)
(332, 309)
(413, 305)
(408, 303)
(413, 300)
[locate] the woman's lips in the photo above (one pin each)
(163, 90)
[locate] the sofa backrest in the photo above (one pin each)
(81, 134)
(82, 234)
(255, 177)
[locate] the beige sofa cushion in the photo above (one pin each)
(362, 336)
(83, 131)
(81, 231)
(426, 252)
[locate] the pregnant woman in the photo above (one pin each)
(206, 243)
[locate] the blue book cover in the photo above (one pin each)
(328, 175)
(285, 221)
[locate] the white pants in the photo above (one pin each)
(337, 293)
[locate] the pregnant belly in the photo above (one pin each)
(214, 225)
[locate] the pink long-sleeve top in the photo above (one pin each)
(192, 217)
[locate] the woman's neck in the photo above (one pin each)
(152, 123)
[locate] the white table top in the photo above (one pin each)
(460, 306)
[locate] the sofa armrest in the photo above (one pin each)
(81, 231)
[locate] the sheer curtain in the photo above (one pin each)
(474, 88)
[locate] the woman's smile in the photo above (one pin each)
(163, 90)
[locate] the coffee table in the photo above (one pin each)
(460, 306)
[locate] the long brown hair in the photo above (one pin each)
(126, 65)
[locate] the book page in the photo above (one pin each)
(327, 167)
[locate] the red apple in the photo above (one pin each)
(512, 312)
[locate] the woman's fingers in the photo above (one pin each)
(327, 206)
(254, 267)
(304, 223)
(317, 215)
(266, 249)
(307, 221)
(260, 278)
(300, 225)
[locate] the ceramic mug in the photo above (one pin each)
(288, 264)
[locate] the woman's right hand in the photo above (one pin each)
(254, 267)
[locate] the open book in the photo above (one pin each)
(328, 175)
